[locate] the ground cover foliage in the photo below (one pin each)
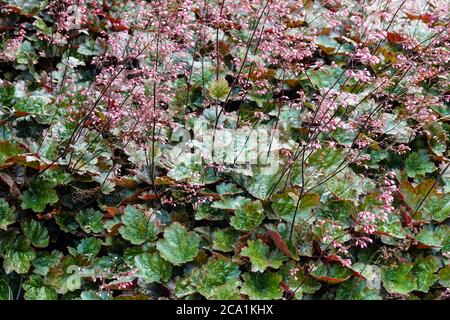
(107, 190)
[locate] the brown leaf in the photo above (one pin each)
(407, 218)
(330, 280)
(165, 180)
(395, 38)
(31, 160)
(287, 289)
(7, 180)
(125, 183)
(111, 212)
(21, 114)
(134, 198)
(280, 243)
(48, 215)
(264, 237)
(426, 17)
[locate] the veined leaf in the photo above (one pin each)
(178, 246)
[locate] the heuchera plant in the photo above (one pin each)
(224, 149)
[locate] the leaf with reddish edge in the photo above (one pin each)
(18, 10)
(330, 280)
(425, 205)
(280, 243)
(134, 198)
(407, 218)
(331, 273)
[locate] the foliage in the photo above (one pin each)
(224, 150)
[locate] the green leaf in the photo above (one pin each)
(29, 7)
(65, 276)
(325, 161)
(284, 205)
(45, 260)
(330, 45)
(227, 291)
(71, 281)
(219, 280)
(36, 289)
(332, 273)
(356, 289)
(424, 270)
(437, 206)
(188, 284)
(193, 172)
(89, 247)
(370, 272)
(219, 89)
(91, 48)
(8, 149)
(18, 256)
(326, 77)
(5, 291)
(288, 118)
(66, 222)
(261, 185)
(261, 257)
(376, 156)
(7, 96)
(399, 279)
(152, 268)
(7, 214)
(338, 209)
(96, 295)
(434, 206)
(248, 216)
(7, 239)
(392, 227)
(262, 286)
(348, 185)
(39, 195)
(296, 279)
(444, 276)
(227, 189)
(433, 236)
(36, 233)
(418, 163)
(130, 253)
(41, 25)
(138, 228)
(206, 211)
(227, 203)
(90, 220)
(179, 245)
(225, 239)
(437, 138)
(329, 230)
